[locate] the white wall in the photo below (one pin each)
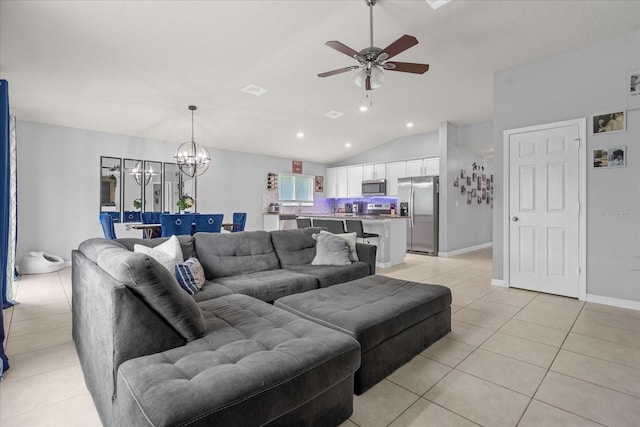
(404, 148)
(58, 183)
(581, 83)
(467, 225)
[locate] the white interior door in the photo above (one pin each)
(544, 209)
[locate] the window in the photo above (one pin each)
(295, 188)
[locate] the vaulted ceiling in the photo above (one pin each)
(133, 67)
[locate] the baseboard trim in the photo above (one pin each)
(465, 250)
(616, 302)
(498, 282)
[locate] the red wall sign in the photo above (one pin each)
(296, 166)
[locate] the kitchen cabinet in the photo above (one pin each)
(337, 182)
(423, 167)
(331, 183)
(375, 171)
(354, 181)
(395, 170)
(342, 182)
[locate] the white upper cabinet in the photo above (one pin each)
(343, 182)
(431, 166)
(414, 167)
(376, 171)
(395, 170)
(331, 184)
(354, 181)
(423, 167)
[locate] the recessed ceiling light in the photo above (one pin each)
(348, 145)
(300, 134)
(364, 108)
(334, 114)
(409, 125)
(436, 4)
(255, 90)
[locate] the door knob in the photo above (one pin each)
(515, 218)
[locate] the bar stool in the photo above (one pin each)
(355, 226)
(303, 222)
(333, 226)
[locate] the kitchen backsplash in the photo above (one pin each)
(320, 205)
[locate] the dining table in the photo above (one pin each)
(155, 230)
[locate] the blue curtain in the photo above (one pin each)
(6, 247)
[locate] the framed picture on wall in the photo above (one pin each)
(319, 184)
(605, 158)
(609, 122)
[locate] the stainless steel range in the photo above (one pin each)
(378, 208)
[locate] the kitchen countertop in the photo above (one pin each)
(350, 216)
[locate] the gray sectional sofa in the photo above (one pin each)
(153, 355)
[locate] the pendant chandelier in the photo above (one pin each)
(192, 159)
(139, 171)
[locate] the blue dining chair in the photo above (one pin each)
(115, 216)
(176, 224)
(131, 216)
(210, 223)
(152, 217)
(239, 220)
(106, 221)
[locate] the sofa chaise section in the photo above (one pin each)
(152, 356)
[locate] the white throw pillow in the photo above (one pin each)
(330, 250)
(168, 254)
(351, 240)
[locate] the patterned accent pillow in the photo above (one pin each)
(190, 275)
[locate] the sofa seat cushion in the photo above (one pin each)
(255, 363)
(269, 285)
(231, 254)
(329, 275)
(211, 290)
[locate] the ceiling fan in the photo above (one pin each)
(373, 59)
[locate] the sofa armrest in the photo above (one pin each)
(367, 253)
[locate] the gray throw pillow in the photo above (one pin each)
(330, 250)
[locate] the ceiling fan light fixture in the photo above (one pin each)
(377, 77)
(360, 78)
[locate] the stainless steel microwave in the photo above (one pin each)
(374, 187)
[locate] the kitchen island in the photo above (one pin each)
(391, 229)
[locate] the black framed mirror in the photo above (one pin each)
(152, 186)
(111, 186)
(132, 180)
(172, 185)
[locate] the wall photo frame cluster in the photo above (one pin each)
(477, 186)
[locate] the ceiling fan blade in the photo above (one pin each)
(398, 46)
(406, 67)
(342, 48)
(338, 71)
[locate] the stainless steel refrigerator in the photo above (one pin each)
(418, 199)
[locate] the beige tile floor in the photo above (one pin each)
(513, 357)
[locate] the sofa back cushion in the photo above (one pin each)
(231, 254)
(295, 247)
(151, 282)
